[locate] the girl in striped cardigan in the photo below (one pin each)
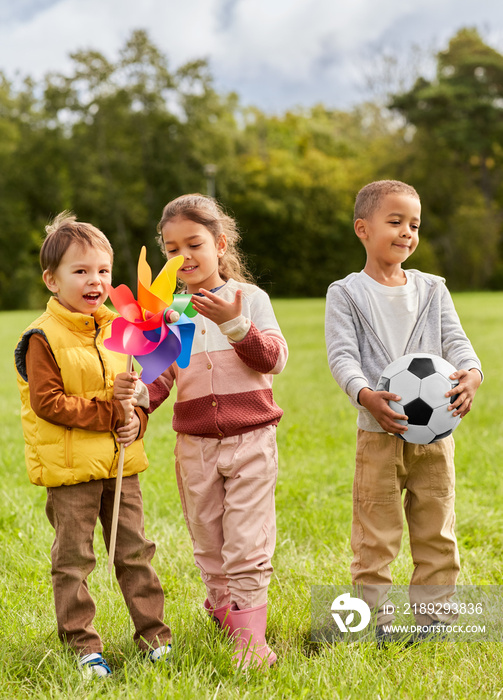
(225, 418)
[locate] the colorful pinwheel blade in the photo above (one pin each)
(125, 303)
(142, 330)
(165, 283)
(157, 361)
(156, 296)
(187, 329)
(129, 339)
(183, 304)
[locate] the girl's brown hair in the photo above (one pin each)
(64, 230)
(207, 212)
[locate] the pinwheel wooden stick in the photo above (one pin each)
(156, 329)
(117, 495)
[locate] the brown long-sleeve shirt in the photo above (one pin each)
(49, 401)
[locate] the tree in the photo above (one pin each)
(29, 177)
(458, 117)
(292, 193)
(138, 135)
(114, 141)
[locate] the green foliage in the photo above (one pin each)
(462, 106)
(293, 201)
(114, 141)
(456, 157)
(316, 439)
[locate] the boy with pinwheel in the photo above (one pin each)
(73, 426)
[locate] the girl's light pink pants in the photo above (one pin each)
(227, 492)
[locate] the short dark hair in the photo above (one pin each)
(369, 197)
(64, 230)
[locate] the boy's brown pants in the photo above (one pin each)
(385, 467)
(73, 512)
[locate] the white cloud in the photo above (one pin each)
(44, 41)
(275, 53)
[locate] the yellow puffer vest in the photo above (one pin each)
(56, 455)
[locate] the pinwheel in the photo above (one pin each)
(156, 330)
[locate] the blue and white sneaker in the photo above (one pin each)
(161, 653)
(94, 665)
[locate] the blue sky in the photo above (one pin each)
(277, 54)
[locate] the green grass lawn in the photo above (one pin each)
(316, 442)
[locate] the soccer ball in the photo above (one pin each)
(421, 380)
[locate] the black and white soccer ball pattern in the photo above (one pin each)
(421, 380)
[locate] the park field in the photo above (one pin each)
(316, 444)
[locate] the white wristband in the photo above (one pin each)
(236, 329)
(141, 395)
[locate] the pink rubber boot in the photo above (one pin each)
(219, 615)
(248, 630)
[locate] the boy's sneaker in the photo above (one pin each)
(94, 665)
(161, 653)
(434, 632)
(384, 638)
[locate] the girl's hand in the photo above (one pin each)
(128, 433)
(217, 309)
(377, 402)
(124, 385)
(469, 382)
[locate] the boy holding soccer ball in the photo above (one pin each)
(372, 318)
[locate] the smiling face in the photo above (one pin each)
(80, 279)
(200, 251)
(391, 234)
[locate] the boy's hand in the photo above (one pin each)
(128, 406)
(124, 385)
(217, 309)
(128, 433)
(469, 382)
(377, 403)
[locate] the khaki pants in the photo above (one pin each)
(73, 512)
(385, 467)
(227, 492)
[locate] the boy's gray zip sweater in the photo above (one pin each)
(357, 356)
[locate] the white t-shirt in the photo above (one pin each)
(393, 312)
